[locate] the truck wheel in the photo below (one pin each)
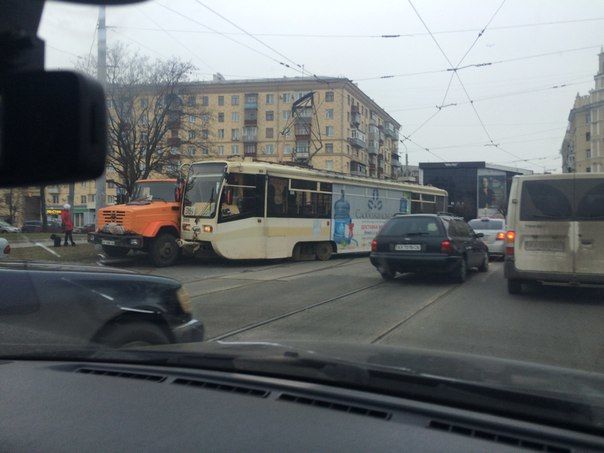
(164, 250)
(514, 286)
(115, 252)
(323, 251)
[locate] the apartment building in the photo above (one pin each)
(343, 131)
(583, 144)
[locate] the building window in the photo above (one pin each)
(205, 117)
(205, 101)
(235, 116)
(220, 100)
(234, 149)
(348, 99)
(235, 100)
(174, 150)
(286, 97)
(205, 134)
(329, 165)
(191, 119)
(285, 114)
(55, 198)
(588, 136)
(205, 151)
(329, 114)
(110, 185)
(234, 134)
(192, 101)
(329, 148)
(348, 116)
(221, 150)
(221, 117)
(588, 118)
(287, 149)
(286, 132)
(270, 115)
(144, 103)
(191, 150)
(269, 132)
(329, 96)
(588, 169)
(220, 133)
(110, 199)
(83, 199)
(270, 99)
(192, 135)
(329, 131)
(269, 149)
(588, 154)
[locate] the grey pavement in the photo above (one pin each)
(345, 300)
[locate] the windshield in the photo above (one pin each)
(333, 160)
(202, 190)
(155, 191)
(486, 224)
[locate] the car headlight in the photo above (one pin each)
(184, 300)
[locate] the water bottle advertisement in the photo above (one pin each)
(359, 213)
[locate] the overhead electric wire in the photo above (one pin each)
(378, 35)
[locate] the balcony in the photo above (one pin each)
(250, 118)
(251, 101)
(358, 139)
(373, 147)
(302, 131)
(302, 150)
(382, 137)
(395, 160)
(250, 150)
(391, 132)
(173, 141)
(250, 138)
(355, 115)
(357, 169)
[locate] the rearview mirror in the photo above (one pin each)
(52, 128)
(479, 235)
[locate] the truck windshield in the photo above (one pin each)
(202, 190)
(158, 190)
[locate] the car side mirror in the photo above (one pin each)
(479, 235)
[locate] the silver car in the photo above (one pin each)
(494, 234)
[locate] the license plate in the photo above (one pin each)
(107, 242)
(544, 246)
(407, 247)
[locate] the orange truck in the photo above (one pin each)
(149, 222)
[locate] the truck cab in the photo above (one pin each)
(149, 222)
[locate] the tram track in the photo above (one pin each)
(288, 314)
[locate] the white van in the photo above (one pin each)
(556, 230)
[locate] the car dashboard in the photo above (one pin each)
(80, 406)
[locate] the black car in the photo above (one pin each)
(428, 243)
(46, 303)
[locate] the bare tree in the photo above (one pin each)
(151, 127)
(13, 198)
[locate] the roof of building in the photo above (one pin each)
(474, 164)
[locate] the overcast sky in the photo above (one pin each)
(525, 116)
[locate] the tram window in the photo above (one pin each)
(303, 185)
(242, 197)
(426, 197)
(415, 196)
(440, 204)
(416, 207)
(325, 187)
(277, 197)
(283, 202)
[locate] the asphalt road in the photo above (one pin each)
(345, 300)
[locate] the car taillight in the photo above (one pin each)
(500, 236)
(445, 246)
(510, 236)
(374, 246)
(7, 249)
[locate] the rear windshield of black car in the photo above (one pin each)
(412, 226)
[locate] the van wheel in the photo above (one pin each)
(164, 250)
(323, 251)
(115, 252)
(484, 267)
(461, 273)
(514, 286)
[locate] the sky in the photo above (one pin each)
(542, 53)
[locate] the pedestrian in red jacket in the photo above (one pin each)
(67, 223)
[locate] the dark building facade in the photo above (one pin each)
(476, 189)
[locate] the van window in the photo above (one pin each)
(589, 196)
(546, 200)
(412, 226)
(486, 224)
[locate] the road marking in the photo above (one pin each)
(429, 302)
(290, 313)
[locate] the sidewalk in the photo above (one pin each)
(46, 242)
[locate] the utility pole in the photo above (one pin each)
(101, 73)
(406, 163)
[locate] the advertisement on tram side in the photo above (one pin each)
(358, 213)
